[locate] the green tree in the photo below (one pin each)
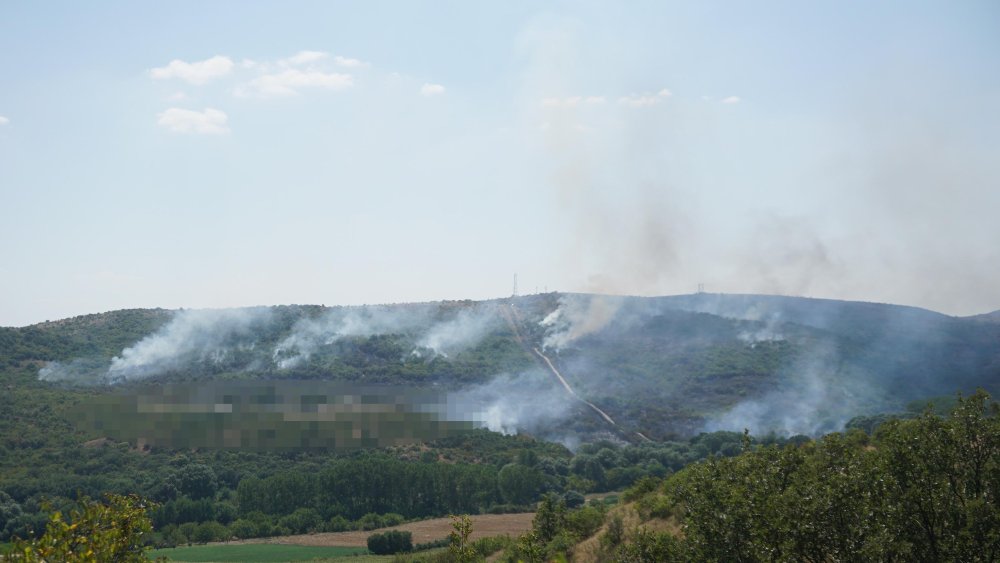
(550, 518)
(945, 481)
(520, 484)
(243, 528)
(301, 521)
(927, 489)
(9, 510)
(460, 548)
(94, 532)
(197, 481)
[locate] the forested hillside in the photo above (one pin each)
(665, 367)
(676, 378)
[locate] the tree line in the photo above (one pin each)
(922, 489)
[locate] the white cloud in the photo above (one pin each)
(4, 120)
(348, 62)
(209, 122)
(288, 83)
(431, 90)
(177, 96)
(639, 101)
(731, 100)
(573, 101)
(305, 57)
(644, 100)
(197, 72)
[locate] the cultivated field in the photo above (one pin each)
(254, 553)
(483, 525)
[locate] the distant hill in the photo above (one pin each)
(658, 366)
(993, 317)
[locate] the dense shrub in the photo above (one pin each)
(209, 532)
(927, 489)
(391, 542)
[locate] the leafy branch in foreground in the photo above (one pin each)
(95, 531)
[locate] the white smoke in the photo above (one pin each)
(768, 330)
(452, 334)
(465, 329)
(578, 316)
(229, 337)
(192, 336)
(512, 403)
(78, 369)
(311, 334)
(815, 398)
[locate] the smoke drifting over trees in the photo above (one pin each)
(660, 366)
(244, 339)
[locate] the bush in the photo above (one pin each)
(641, 488)
(561, 543)
(489, 545)
(243, 529)
(301, 521)
(583, 522)
(392, 519)
(339, 524)
(210, 531)
(573, 499)
(370, 521)
(390, 543)
(443, 542)
(615, 533)
(187, 531)
(645, 546)
(225, 512)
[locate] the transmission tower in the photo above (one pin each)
(515, 285)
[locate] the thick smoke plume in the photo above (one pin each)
(451, 336)
(244, 339)
(511, 403)
(310, 334)
(897, 204)
(578, 316)
(208, 337)
(193, 336)
(814, 398)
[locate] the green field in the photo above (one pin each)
(253, 553)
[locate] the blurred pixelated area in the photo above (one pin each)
(269, 415)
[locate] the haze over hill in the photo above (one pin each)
(361, 156)
(654, 366)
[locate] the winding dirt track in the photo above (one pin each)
(510, 313)
(562, 380)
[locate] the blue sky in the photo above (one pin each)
(196, 154)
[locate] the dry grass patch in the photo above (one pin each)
(589, 550)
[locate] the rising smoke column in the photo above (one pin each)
(214, 337)
(577, 316)
(191, 337)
